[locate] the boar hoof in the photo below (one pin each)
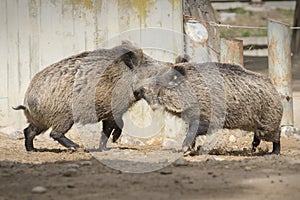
(255, 143)
(276, 148)
(102, 148)
(31, 149)
(67, 142)
(186, 151)
(29, 144)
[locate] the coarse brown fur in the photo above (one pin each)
(79, 88)
(214, 95)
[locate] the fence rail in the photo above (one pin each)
(224, 1)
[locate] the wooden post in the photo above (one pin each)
(231, 51)
(280, 67)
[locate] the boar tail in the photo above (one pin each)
(20, 107)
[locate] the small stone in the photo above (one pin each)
(170, 143)
(174, 150)
(73, 165)
(232, 138)
(248, 168)
(70, 172)
(212, 159)
(163, 160)
(219, 159)
(235, 147)
(39, 189)
(165, 172)
(86, 163)
(71, 185)
(180, 162)
(118, 172)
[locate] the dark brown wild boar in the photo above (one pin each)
(214, 95)
(79, 89)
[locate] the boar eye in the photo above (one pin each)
(174, 80)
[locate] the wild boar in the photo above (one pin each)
(211, 95)
(79, 89)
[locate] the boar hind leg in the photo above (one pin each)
(276, 148)
(30, 132)
(108, 126)
(255, 143)
(63, 140)
(117, 130)
(276, 145)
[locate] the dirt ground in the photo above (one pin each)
(66, 174)
(231, 172)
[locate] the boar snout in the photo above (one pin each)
(139, 93)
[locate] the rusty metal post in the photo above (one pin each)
(231, 51)
(280, 67)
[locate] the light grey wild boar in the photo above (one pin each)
(214, 95)
(82, 89)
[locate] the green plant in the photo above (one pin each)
(238, 10)
(246, 33)
(286, 12)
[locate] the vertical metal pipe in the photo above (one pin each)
(231, 51)
(280, 67)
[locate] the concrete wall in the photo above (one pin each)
(37, 33)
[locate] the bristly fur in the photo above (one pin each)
(221, 96)
(68, 87)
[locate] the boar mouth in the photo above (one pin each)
(154, 102)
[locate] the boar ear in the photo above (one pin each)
(132, 58)
(126, 42)
(183, 58)
(181, 69)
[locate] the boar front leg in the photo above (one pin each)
(189, 140)
(108, 126)
(117, 130)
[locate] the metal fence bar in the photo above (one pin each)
(280, 67)
(231, 51)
